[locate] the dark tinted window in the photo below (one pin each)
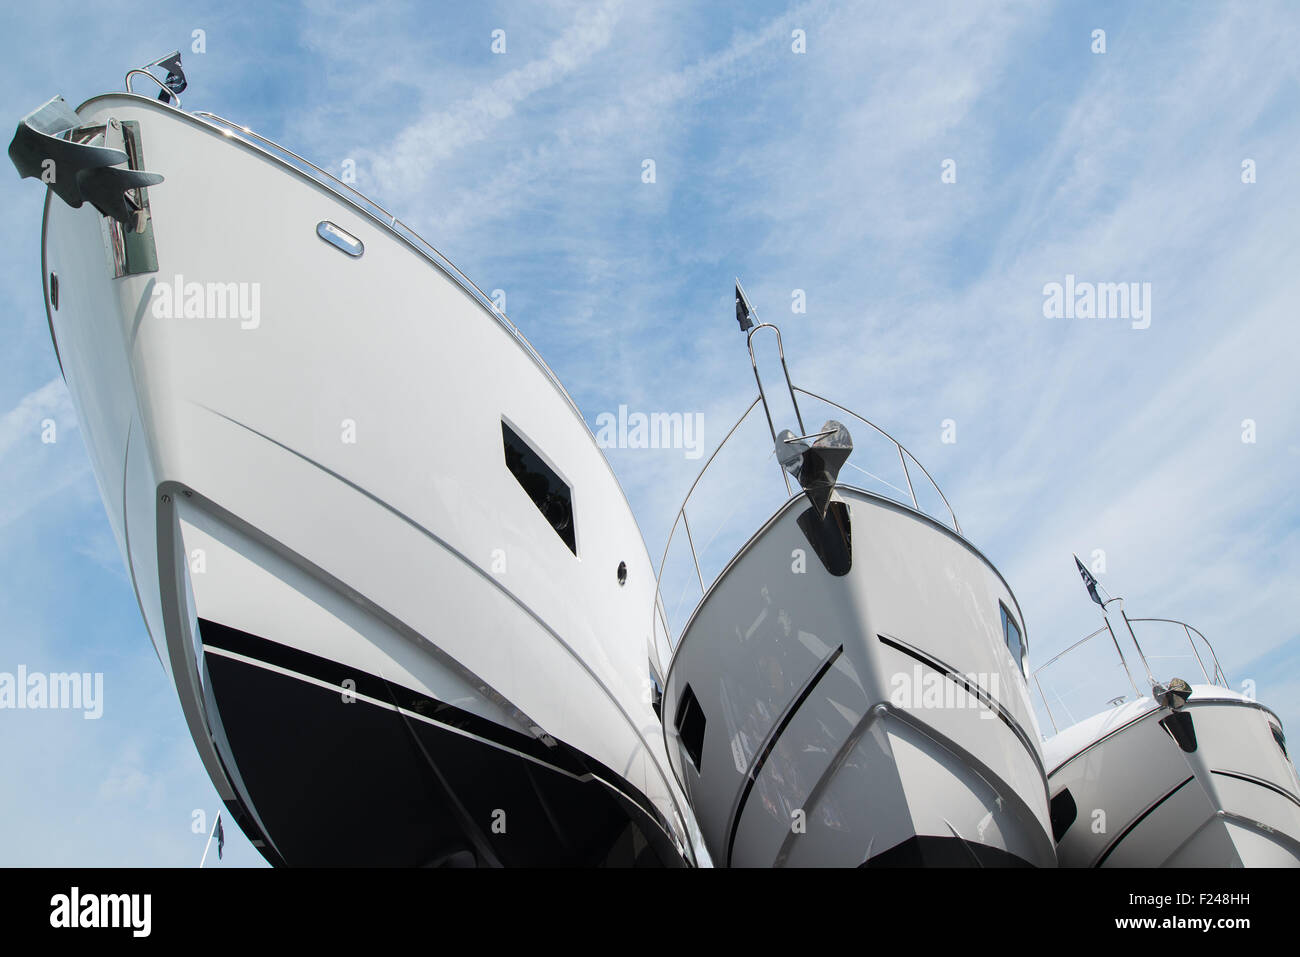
(656, 695)
(690, 726)
(1062, 814)
(1014, 641)
(547, 490)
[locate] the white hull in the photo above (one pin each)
(870, 718)
(1128, 793)
(396, 599)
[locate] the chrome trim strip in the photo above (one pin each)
(974, 690)
(1138, 820)
(1260, 782)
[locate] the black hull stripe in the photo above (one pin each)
(216, 635)
(403, 803)
(1138, 820)
(561, 756)
(1260, 782)
(982, 696)
(756, 766)
(483, 576)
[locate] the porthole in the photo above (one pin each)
(622, 573)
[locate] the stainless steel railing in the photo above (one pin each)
(166, 89)
(1213, 674)
(904, 493)
(382, 217)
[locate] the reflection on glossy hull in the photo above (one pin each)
(266, 405)
(1210, 785)
(869, 717)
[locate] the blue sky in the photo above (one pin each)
(817, 171)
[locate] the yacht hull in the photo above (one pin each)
(861, 716)
(1209, 786)
(322, 472)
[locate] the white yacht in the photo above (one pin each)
(1161, 772)
(391, 574)
(847, 683)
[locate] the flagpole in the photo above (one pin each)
(211, 834)
(1129, 625)
(1109, 604)
(1115, 642)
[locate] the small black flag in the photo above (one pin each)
(175, 81)
(221, 837)
(742, 310)
(1089, 582)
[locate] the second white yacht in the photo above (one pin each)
(847, 683)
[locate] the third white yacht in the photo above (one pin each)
(1160, 771)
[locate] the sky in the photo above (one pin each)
(921, 171)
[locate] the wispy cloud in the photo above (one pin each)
(39, 449)
(820, 171)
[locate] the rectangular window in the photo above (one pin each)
(690, 726)
(1015, 643)
(656, 694)
(548, 491)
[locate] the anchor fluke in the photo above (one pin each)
(75, 171)
(815, 460)
(106, 188)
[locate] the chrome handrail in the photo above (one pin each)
(956, 525)
(659, 612)
(334, 180)
(362, 203)
(1218, 677)
(1188, 630)
(762, 393)
(165, 88)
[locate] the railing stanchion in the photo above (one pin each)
(1046, 706)
(907, 475)
(1122, 659)
(690, 540)
(761, 398)
(1188, 633)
